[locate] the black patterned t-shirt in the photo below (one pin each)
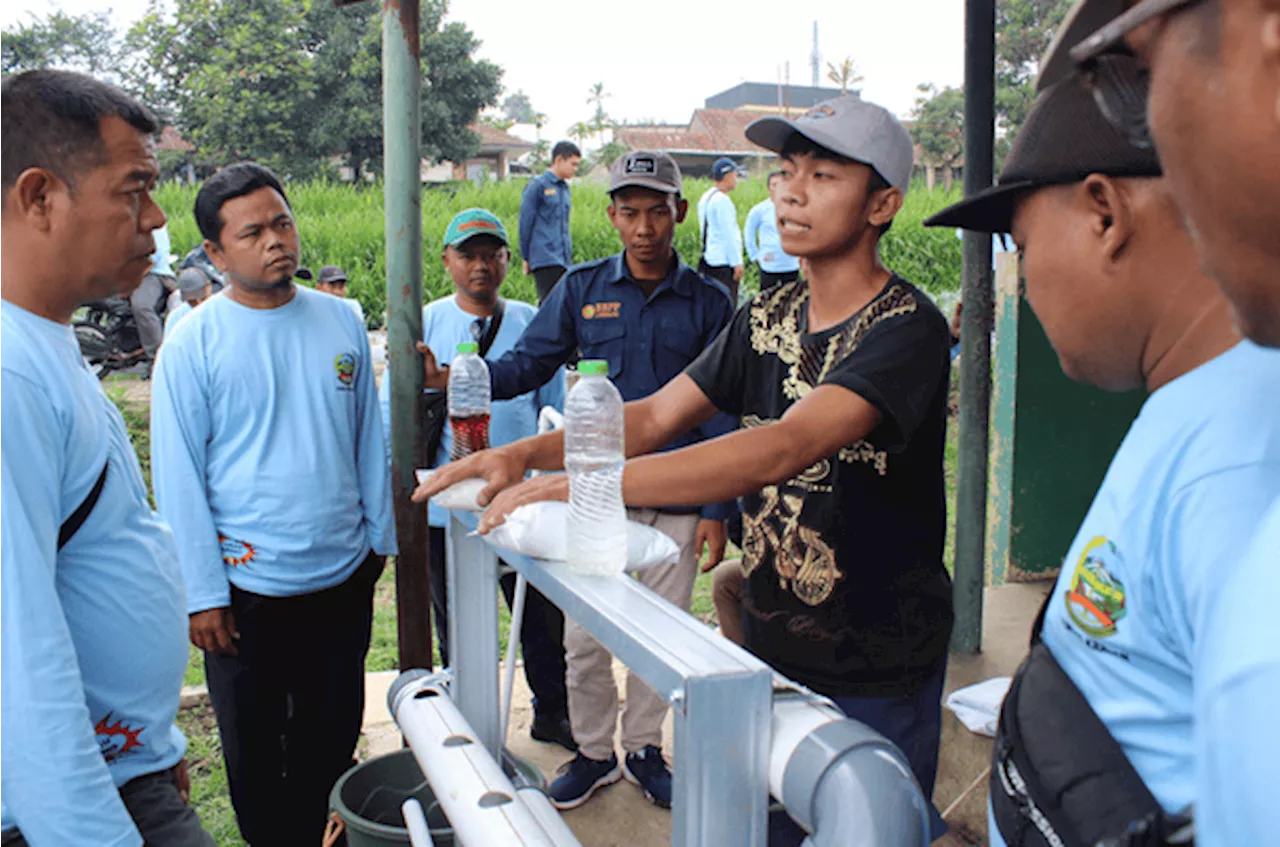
(846, 591)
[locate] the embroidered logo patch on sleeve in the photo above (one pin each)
(1095, 601)
(345, 366)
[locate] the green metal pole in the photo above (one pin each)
(975, 331)
(402, 128)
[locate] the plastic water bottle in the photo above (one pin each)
(468, 401)
(593, 456)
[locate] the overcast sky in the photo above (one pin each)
(662, 58)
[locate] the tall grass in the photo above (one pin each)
(342, 224)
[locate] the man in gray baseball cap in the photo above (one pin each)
(847, 126)
(840, 381)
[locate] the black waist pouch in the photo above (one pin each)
(1059, 778)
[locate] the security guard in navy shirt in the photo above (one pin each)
(649, 315)
(545, 241)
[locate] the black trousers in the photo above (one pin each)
(545, 279)
(769, 280)
(157, 810)
(289, 706)
(541, 634)
(724, 273)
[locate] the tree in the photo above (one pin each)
(600, 120)
(938, 127)
(295, 83)
(86, 43)
(345, 116)
(1024, 29)
(844, 74)
(235, 75)
(519, 109)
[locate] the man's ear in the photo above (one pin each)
(682, 210)
(35, 195)
(883, 205)
(1111, 211)
(213, 250)
(612, 212)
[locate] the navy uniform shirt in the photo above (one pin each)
(544, 223)
(599, 309)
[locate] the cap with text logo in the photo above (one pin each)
(646, 169)
(851, 127)
(469, 223)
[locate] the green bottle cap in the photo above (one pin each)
(468, 347)
(593, 367)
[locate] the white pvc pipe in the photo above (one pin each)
(479, 800)
(513, 638)
(415, 821)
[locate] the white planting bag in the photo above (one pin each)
(460, 495)
(538, 530)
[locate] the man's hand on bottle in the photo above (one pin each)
(435, 377)
(499, 467)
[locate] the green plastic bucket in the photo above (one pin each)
(369, 796)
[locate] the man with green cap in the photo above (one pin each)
(476, 254)
(1111, 272)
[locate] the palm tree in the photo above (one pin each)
(844, 74)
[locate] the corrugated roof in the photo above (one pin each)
(709, 130)
(493, 139)
(171, 139)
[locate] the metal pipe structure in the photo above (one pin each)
(842, 782)
(484, 808)
(975, 331)
(402, 131)
(737, 740)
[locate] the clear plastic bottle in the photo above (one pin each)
(468, 401)
(593, 455)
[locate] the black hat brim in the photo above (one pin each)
(986, 211)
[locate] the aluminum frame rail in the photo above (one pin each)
(721, 696)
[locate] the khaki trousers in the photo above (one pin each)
(593, 696)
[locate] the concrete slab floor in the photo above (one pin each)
(619, 816)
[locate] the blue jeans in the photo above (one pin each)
(914, 723)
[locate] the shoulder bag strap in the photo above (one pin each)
(491, 332)
(81, 514)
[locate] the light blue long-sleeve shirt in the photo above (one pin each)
(718, 218)
(94, 636)
(444, 326)
(1237, 735)
(764, 246)
(267, 455)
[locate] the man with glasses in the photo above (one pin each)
(1212, 105)
(476, 255)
